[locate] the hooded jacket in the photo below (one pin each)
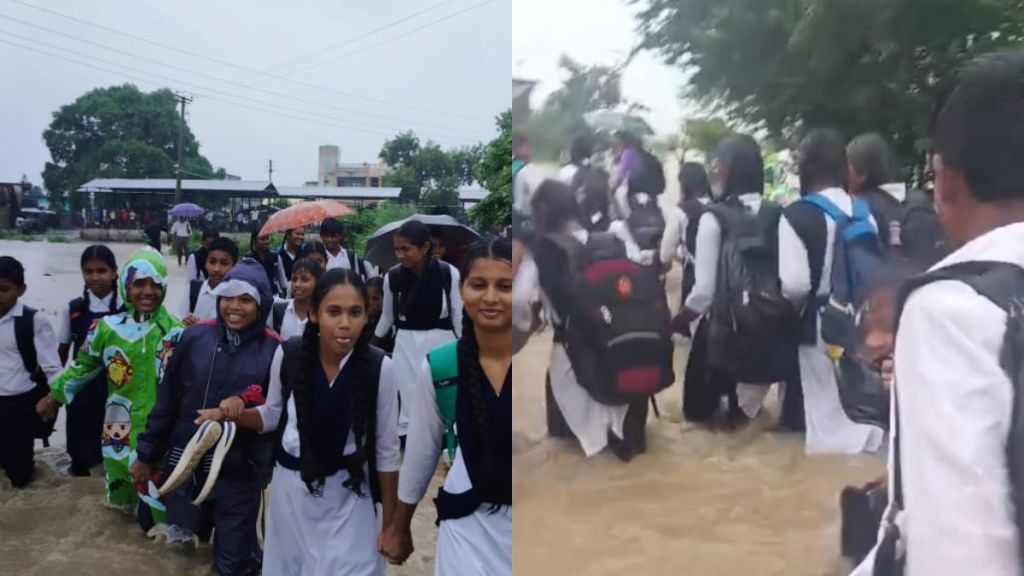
(210, 363)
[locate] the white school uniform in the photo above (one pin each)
(334, 534)
(206, 304)
(96, 306)
(14, 379)
(588, 419)
(193, 270)
(829, 429)
(476, 545)
(291, 324)
(341, 261)
(955, 403)
(412, 346)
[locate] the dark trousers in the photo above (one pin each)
(704, 386)
(232, 511)
(85, 425)
(17, 422)
(634, 426)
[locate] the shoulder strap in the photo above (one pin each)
(828, 207)
(446, 287)
(394, 284)
(444, 371)
(194, 287)
(279, 310)
(78, 306)
(25, 335)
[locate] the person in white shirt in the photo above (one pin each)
(332, 234)
(805, 262)
(679, 242)
(287, 254)
(290, 316)
(199, 302)
(954, 399)
(181, 231)
(18, 389)
(195, 268)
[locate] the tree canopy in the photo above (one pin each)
(427, 173)
(117, 132)
(495, 174)
(857, 65)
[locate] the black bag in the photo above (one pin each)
(646, 223)
(651, 179)
(590, 187)
(693, 209)
(922, 240)
(25, 338)
(278, 315)
(752, 330)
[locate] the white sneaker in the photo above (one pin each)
(223, 445)
(208, 434)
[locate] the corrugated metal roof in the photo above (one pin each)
(127, 185)
(470, 194)
(339, 192)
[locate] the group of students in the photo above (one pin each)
(194, 415)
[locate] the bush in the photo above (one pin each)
(368, 220)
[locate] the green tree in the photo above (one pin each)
(857, 65)
(427, 173)
(704, 134)
(495, 174)
(116, 132)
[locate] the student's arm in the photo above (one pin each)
(371, 270)
(955, 404)
(523, 289)
(183, 305)
(387, 319)
(46, 348)
(794, 270)
(153, 442)
(671, 241)
(266, 417)
(389, 458)
(88, 363)
(457, 304)
(191, 270)
(282, 278)
(709, 246)
(64, 335)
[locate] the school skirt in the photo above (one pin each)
(589, 420)
(477, 545)
(411, 349)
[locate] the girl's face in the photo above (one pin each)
(261, 244)
(295, 238)
(303, 284)
(409, 255)
(145, 295)
(99, 277)
(239, 312)
(341, 317)
(376, 302)
(487, 294)
(218, 264)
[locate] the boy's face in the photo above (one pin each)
(376, 302)
(439, 247)
(218, 264)
(9, 294)
(303, 284)
(145, 295)
(332, 242)
(238, 312)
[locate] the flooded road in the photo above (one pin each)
(60, 524)
(698, 502)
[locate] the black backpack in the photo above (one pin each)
(922, 240)
(398, 288)
(194, 287)
(651, 179)
(693, 209)
(24, 336)
(278, 315)
(646, 223)
(752, 330)
(590, 186)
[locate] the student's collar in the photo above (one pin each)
(107, 300)
(16, 311)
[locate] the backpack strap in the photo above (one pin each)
(24, 336)
(194, 287)
(444, 371)
(446, 288)
(394, 283)
(279, 310)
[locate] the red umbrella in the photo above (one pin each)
(302, 215)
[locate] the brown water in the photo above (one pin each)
(60, 525)
(698, 502)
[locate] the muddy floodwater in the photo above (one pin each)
(60, 526)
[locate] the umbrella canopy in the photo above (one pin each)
(188, 210)
(380, 248)
(302, 215)
(614, 121)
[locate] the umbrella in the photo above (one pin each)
(380, 248)
(188, 210)
(302, 215)
(613, 121)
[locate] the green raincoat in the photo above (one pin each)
(134, 354)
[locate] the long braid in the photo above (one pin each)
(310, 465)
(364, 416)
(475, 379)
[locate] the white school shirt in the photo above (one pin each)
(709, 246)
(341, 261)
(206, 304)
(181, 229)
(14, 379)
(387, 317)
(955, 405)
(282, 277)
(96, 306)
(291, 324)
(673, 245)
(192, 269)
(388, 457)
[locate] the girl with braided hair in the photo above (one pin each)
(463, 399)
(334, 402)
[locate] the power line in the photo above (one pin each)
(218, 79)
(398, 37)
(243, 68)
(216, 91)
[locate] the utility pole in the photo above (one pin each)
(182, 99)
(270, 170)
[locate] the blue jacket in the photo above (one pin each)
(211, 363)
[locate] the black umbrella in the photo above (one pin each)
(380, 248)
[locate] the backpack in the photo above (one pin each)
(614, 322)
(922, 239)
(194, 287)
(278, 315)
(651, 179)
(590, 186)
(693, 209)
(395, 282)
(355, 264)
(752, 330)
(646, 223)
(1003, 285)
(444, 371)
(24, 336)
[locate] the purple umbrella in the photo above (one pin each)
(187, 210)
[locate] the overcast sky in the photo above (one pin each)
(592, 32)
(447, 81)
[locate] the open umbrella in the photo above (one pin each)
(615, 121)
(302, 215)
(188, 210)
(380, 248)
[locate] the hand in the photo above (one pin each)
(208, 414)
(231, 408)
(681, 323)
(46, 408)
(189, 320)
(142, 475)
(396, 545)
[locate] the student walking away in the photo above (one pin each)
(181, 231)
(746, 340)
(216, 370)
(195, 267)
(289, 317)
(613, 348)
(98, 300)
(332, 234)
(28, 360)
(333, 400)
(956, 454)
(199, 303)
(638, 178)
(421, 300)
(524, 179)
(287, 254)
(821, 237)
(316, 252)
(132, 347)
(680, 242)
(908, 226)
(463, 404)
(259, 250)
(589, 183)
(153, 232)
(375, 288)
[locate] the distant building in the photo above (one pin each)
(332, 173)
(11, 197)
(521, 90)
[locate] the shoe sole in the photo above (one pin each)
(227, 438)
(205, 438)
